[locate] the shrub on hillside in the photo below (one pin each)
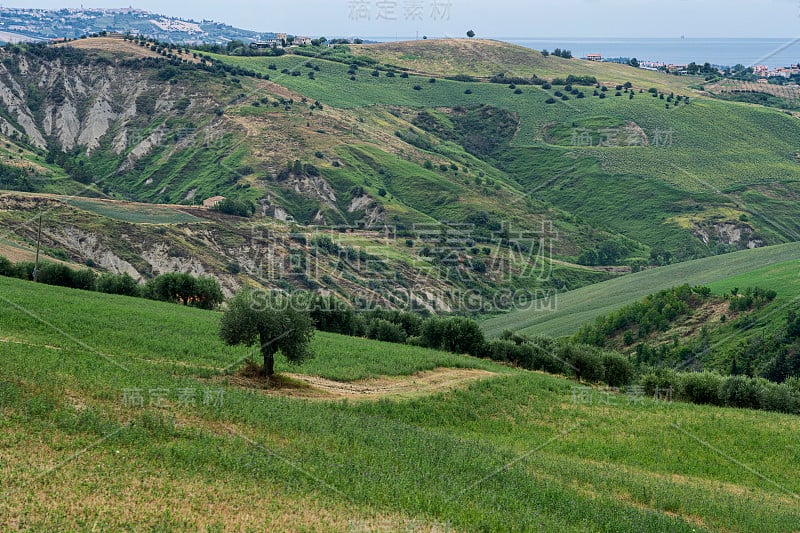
(24, 270)
(178, 287)
(383, 330)
(335, 316)
(661, 378)
(411, 323)
(525, 355)
(741, 391)
(122, 284)
(700, 387)
(84, 279)
(617, 369)
(536, 353)
(6, 267)
(456, 334)
(543, 355)
(780, 397)
(582, 361)
(54, 274)
(236, 207)
(505, 351)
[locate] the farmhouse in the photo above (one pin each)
(212, 202)
(594, 57)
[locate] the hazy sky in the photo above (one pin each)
(489, 18)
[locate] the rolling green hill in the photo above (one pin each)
(140, 418)
(575, 308)
(486, 58)
(345, 138)
(687, 178)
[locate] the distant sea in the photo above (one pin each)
(773, 52)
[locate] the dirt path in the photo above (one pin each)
(441, 379)
(419, 384)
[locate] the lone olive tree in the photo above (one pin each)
(274, 321)
(470, 34)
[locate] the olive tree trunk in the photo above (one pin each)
(268, 351)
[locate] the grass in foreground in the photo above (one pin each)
(516, 452)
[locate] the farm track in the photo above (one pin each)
(419, 384)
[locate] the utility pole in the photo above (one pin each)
(38, 246)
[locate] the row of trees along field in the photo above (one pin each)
(202, 292)
(285, 322)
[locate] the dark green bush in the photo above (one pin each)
(544, 358)
(236, 207)
(660, 378)
(701, 387)
(780, 397)
(55, 274)
(6, 267)
(335, 316)
(505, 351)
(456, 334)
(383, 330)
(617, 369)
(84, 279)
(122, 284)
(178, 287)
(741, 391)
(24, 270)
(410, 322)
(582, 361)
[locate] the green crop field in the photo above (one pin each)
(784, 278)
(511, 451)
(575, 308)
(138, 213)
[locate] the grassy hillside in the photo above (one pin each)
(680, 172)
(368, 266)
(189, 131)
(646, 175)
(268, 460)
(331, 84)
(575, 308)
(692, 178)
(485, 58)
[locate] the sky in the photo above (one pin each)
(488, 18)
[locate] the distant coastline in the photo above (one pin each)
(772, 52)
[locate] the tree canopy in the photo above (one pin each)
(203, 292)
(274, 320)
